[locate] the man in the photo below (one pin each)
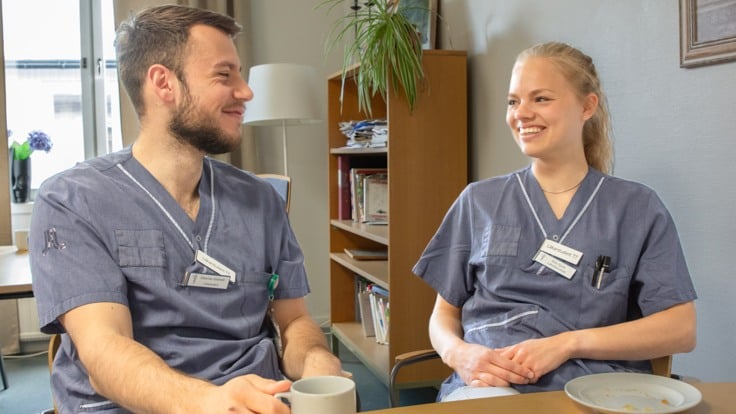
(162, 266)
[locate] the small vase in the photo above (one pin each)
(20, 179)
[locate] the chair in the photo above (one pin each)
(660, 366)
(282, 184)
(54, 343)
(2, 373)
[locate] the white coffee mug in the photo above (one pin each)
(323, 395)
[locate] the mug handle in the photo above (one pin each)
(285, 397)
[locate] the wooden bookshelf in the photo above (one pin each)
(427, 167)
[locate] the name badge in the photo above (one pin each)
(561, 251)
(206, 281)
(214, 265)
(555, 264)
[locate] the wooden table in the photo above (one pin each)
(718, 398)
(15, 274)
(15, 282)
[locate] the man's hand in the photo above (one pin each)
(245, 394)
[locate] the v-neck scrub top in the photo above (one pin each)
(100, 234)
(481, 260)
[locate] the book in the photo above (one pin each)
(375, 199)
(343, 187)
(357, 176)
(379, 309)
(361, 254)
(377, 290)
(366, 316)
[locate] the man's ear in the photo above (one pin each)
(163, 82)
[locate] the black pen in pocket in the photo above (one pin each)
(602, 263)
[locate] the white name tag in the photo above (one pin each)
(214, 265)
(556, 265)
(207, 281)
(561, 251)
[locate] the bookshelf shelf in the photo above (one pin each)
(371, 354)
(426, 160)
(376, 232)
(374, 270)
(359, 151)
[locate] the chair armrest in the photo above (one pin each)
(408, 358)
(401, 360)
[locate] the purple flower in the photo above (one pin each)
(39, 141)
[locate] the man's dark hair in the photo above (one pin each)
(159, 35)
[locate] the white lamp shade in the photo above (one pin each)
(282, 93)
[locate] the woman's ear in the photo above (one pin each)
(590, 105)
(163, 82)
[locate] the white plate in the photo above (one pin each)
(622, 392)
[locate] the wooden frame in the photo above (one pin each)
(423, 14)
(707, 32)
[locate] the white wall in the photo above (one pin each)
(287, 31)
(674, 127)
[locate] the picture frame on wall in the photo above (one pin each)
(423, 14)
(707, 32)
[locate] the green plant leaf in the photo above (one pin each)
(386, 45)
(21, 151)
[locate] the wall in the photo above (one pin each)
(673, 127)
(287, 31)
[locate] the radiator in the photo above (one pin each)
(28, 321)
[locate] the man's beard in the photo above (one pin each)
(192, 127)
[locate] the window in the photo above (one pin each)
(61, 78)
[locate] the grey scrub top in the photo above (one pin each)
(107, 231)
(481, 260)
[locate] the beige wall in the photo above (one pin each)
(287, 31)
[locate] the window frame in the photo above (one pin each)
(92, 62)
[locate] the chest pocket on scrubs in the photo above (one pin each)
(605, 305)
(501, 240)
(255, 294)
(140, 248)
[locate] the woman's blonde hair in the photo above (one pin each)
(579, 70)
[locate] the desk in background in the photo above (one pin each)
(15, 274)
(15, 283)
(718, 398)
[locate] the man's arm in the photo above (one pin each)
(306, 352)
(136, 378)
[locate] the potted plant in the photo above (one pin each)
(20, 163)
(387, 47)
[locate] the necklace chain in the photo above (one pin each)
(564, 191)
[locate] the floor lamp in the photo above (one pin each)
(283, 94)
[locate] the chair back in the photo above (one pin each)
(662, 366)
(282, 184)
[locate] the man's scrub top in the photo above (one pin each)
(482, 260)
(108, 231)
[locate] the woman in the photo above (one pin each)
(557, 270)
